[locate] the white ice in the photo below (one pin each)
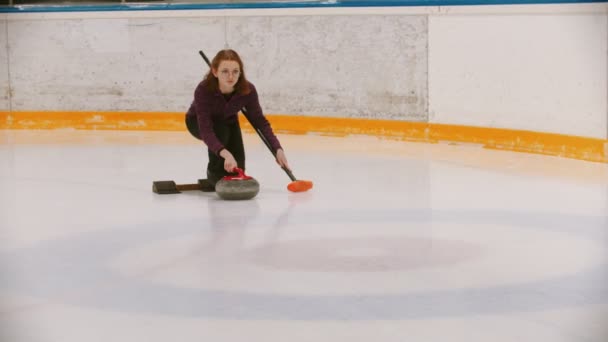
(397, 241)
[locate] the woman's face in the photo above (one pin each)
(227, 73)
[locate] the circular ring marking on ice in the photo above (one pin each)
(338, 260)
(60, 269)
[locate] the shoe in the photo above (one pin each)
(206, 186)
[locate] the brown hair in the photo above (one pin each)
(241, 86)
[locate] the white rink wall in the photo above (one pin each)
(532, 67)
(538, 72)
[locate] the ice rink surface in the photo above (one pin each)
(397, 241)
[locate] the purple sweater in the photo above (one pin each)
(211, 108)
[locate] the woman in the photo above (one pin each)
(213, 116)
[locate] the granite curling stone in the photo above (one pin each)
(239, 187)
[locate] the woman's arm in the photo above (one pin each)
(256, 117)
(253, 112)
(202, 108)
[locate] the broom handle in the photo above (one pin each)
(187, 187)
(287, 171)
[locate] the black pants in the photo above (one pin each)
(230, 136)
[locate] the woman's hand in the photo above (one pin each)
(281, 159)
(229, 161)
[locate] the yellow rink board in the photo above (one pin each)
(583, 148)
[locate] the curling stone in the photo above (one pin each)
(239, 187)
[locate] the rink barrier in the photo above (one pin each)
(567, 146)
(244, 5)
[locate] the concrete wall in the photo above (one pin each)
(353, 66)
(152, 64)
(4, 79)
(540, 68)
(107, 64)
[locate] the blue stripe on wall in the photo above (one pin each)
(265, 5)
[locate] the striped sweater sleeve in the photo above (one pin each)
(258, 120)
(202, 103)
